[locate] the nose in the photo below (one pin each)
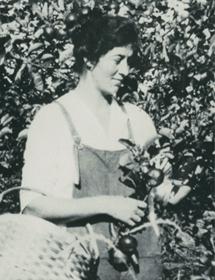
(124, 68)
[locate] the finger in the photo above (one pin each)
(167, 168)
(136, 218)
(131, 223)
(163, 164)
(157, 158)
(140, 212)
(141, 204)
(167, 155)
(168, 172)
(158, 164)
(177, 183)
(170, 155)
(180, 194)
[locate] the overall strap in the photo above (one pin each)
(130, 130)
(75, 134)
(77, 141)
(72, 128)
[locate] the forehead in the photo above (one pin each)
(124, 51)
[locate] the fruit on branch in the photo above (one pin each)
(127, 244)
(70, 20)
(114, 7)
(155, 177)
(49, 32)
(85, 11)
(61, 34)
(118, 259)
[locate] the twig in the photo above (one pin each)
(179, 275)
(148, 224)
(93, 239)
(100, 237)
(168, 31)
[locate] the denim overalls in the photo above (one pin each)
(99, 175)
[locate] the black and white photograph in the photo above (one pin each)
(107, 128)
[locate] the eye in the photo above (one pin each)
(117, 59)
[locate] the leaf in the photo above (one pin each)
(36, 9)
(23, 134)
(4, 119)
(34, 47)
(127, 143)
(12, 26)
(61, 5)
(8, 46)
(67, 53)
(47, 56)
(55, 6)
(183, 125)
(171, 266)
(166, 116)
(45, 10)
(187, 239)
(5, 130)
(50, 10)
(189, 89)
(165, 131)
(212, 46)
(164, 53)
(18, 37)
(137, 3)
(207, 33)
(128, 181)
(20, 72)
(209, 216)
(38, 82)
(38, 33)
(2, 57)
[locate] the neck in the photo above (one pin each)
(94, 99)
(90, 94)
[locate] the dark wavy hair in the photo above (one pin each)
(100, 34)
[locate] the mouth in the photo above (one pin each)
(117, 81)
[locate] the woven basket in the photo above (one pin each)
(34, 249)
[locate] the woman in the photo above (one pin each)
(73, 150)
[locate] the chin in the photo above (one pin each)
(111, 93)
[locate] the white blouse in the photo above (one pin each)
(49, 164)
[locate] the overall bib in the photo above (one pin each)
(99, 175)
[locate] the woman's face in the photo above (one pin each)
(111, 68)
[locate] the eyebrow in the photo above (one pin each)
(122, 56)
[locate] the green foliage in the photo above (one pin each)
(174, 83)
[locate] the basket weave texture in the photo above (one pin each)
(34, 249)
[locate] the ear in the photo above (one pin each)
(89, 65)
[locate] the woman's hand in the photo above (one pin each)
(165, 193)
(161, 161)
(125, 209)
(181, 193)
